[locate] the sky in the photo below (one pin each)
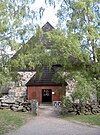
(49, 14)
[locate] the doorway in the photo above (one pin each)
(46, 95)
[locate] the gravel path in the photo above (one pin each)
(48, 124)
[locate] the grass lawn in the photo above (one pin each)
(10, 120)
(91, 119)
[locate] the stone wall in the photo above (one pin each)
(71, 86)
(20, 90)
(25, 77)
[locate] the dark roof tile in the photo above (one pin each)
(47, 27)
(45, 80)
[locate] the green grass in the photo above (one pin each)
(91, 119)
(10, 120)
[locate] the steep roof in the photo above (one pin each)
(47, 78)
(45, 28)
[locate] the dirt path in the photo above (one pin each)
(47, 123)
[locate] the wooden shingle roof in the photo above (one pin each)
(47, 79)
(47, 27)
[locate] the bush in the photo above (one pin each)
(1, 95)
(66, 102)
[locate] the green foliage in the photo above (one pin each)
(67, 102)
(97, 85)
(32, 55)
(17, 25)
(98, 54)
(13, 17)
(81, 21)
(65, 50)
(84, 87)
(60, 92)
(4, 78)
(13, 27)
(81, 53)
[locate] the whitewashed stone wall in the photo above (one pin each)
(25, 77)
(71, 86)
(20, 90)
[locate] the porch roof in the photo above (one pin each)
(46, 79)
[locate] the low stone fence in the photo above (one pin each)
(19, 104)
(76, 108)
(81, 109)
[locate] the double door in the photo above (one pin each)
(46, 95)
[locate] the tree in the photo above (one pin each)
(12, 16)
(82, 24)
(79, 51)
(16, 27)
